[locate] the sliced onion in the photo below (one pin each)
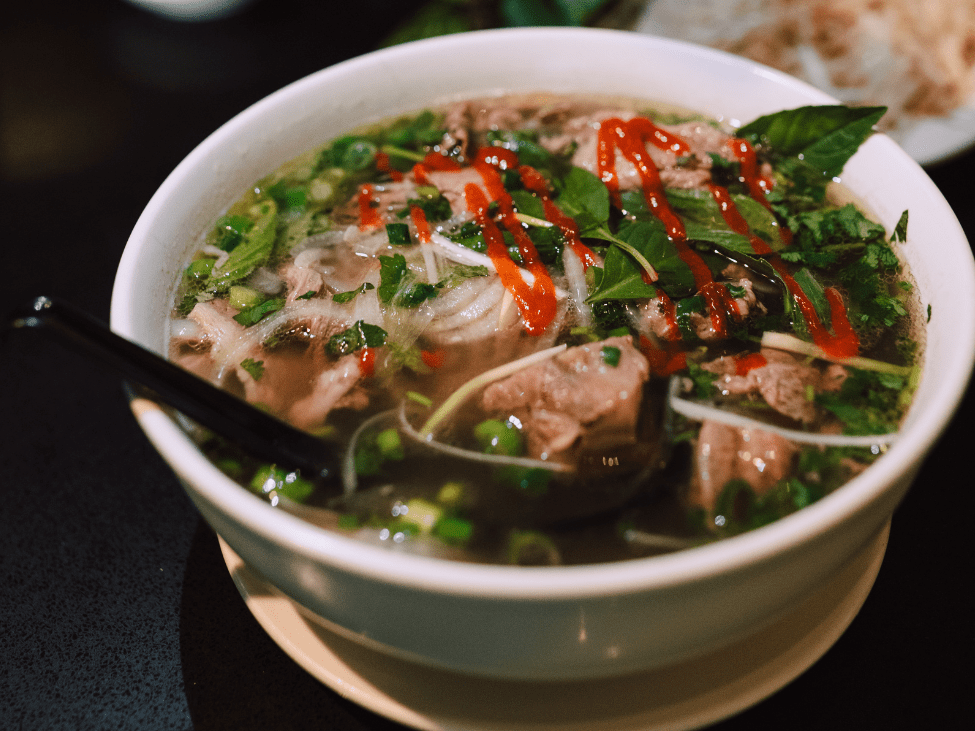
(578, 290)
(699, 411)
(350, 480)
(264, 280)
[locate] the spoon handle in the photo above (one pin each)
(259, 433)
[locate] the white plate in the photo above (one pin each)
(687, 696)
(929, 140)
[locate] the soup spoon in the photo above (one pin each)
(256, 431)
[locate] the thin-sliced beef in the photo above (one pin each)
(723, 453)
(576, 401)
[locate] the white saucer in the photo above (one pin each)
(687, 696)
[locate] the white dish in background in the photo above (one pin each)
(927, 139)
(687, 696)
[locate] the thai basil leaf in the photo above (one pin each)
(815, 292)
(585, 197)
(699, 206)
(825, 137)
(622, 277)
(343, 297)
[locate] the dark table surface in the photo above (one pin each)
(116, 608)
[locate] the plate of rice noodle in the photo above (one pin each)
(917, 57)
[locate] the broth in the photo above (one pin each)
(559, 330)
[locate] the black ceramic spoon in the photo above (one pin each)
(259, 433)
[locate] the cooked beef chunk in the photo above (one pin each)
(577, 401)
(723, 453)
(784, 382)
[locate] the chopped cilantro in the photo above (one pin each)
(254, 367)
(610, 355)
(702, 380)
(398, 234)
(398, 286)
(343, 297)
(255, 314)
(360, 335)
(868, 402)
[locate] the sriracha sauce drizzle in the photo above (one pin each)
(843, 341)
(536, 300)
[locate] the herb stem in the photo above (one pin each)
(784, 341)
(457, 397)
(400, 152)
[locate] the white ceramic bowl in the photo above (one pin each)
(562, 622)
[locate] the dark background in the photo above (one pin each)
(116, 609)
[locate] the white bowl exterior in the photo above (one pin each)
(569, 621)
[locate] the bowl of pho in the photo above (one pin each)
(623, 346)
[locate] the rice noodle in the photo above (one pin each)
(461, 296)
(307, 258)
(266, 281)
(485, 300)
(222, 256)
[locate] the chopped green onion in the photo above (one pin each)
(243, 298)
(419, 398)
(271, 478)
(424, 515)
(453, 530)
(531, 548)
(389, 444)
(499, 437)
(611, 355)
(451, 494)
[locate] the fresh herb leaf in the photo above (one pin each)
(398, 234)
(900, 230)
(868, 402)
(610, 355)
(398, 286)
(623, 278)
(253, 315)
(343, 297)
(230, 230)
(435, 207)
(703, 380)
(360, 335)
(825, 137)
(253, 251)
(702, 218)
(254, 367)
(460, 272)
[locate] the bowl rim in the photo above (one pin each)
(536, 583)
